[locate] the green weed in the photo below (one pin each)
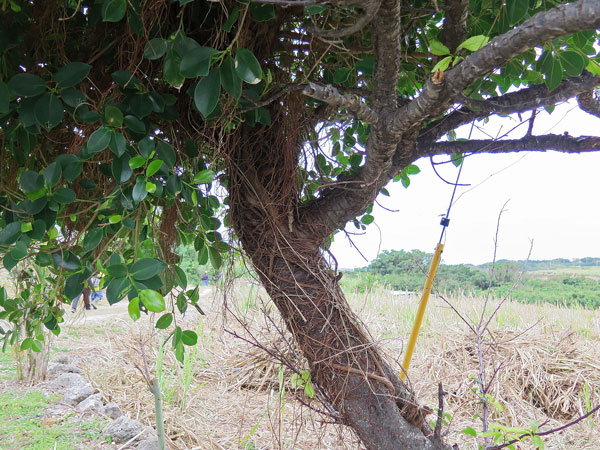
(22, 425)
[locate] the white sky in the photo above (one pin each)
(553, 201)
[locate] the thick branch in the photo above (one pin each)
(589, 103)
(455, 23)
(559, 143)
(386, 33)
(331, 96)
(544, 26)
(514, 102)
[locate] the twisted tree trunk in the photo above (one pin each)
(344, 361)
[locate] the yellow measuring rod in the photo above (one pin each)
(421, 311)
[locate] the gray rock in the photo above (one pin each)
(92, 404)
(148, 444)
(123, 429)
(76, 394)
(56, 368)
(112, 410)
(68, 380)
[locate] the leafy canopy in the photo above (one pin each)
(114, 117)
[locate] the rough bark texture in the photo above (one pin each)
(286, 254)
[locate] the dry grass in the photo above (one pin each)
(234, 399)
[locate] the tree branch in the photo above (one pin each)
(559, 143)
(589, 103)
(455, 23)
(542, 27)
(331, 96)
(514, 102)
(371, 8)
(386, 34)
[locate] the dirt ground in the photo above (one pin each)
(230, 394)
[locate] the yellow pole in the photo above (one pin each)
(421, 311)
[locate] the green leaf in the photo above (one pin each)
(474, 43)
(164, 321)
(233, 17)
(437, 48)
(136, 162)
(121, 170)
(150, 187)
(247, 66)
(367, 219)
(117, 270)
(230, 80)
(166, 153)
(72, 170)
(125, 79)
(215, 258)
(134, 308)
(572, 62)
(412, 170)
(26, 227)
(171, 70)
(517, 10)
(27, 85)
(139, 191)
(73, 286)
(66, 260)
(204, 176)
(134, 124)
(99, 140)
(26, 344)
(442, 64)
(537, 442)
(155, 48)
(113, 116)
(9, 262)
(19, 251)
(152, 300)
(314, 9)
(72, 74)
(153, 167)
(188, 337)
(208, 91)
(341, 74)
(457, 159)
(552, 69)
(114, 10)
(31, 181)
(115, 218)
(196, 63)
(52, 174)
(72, 97)
(262, 13)
(64, 195)
(4, 98)
(146, 268)
(118, 144)
(181, 277)
(593, 67)
(48, 111)
(92, 239)
(469, 431)
(116, 289)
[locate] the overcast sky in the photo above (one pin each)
(552, 200)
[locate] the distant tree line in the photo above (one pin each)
(406, 271)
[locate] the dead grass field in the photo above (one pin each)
(231, 395)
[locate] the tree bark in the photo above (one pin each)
(344, 361)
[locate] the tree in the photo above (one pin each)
(120, 119)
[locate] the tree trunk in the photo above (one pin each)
(344, 361)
